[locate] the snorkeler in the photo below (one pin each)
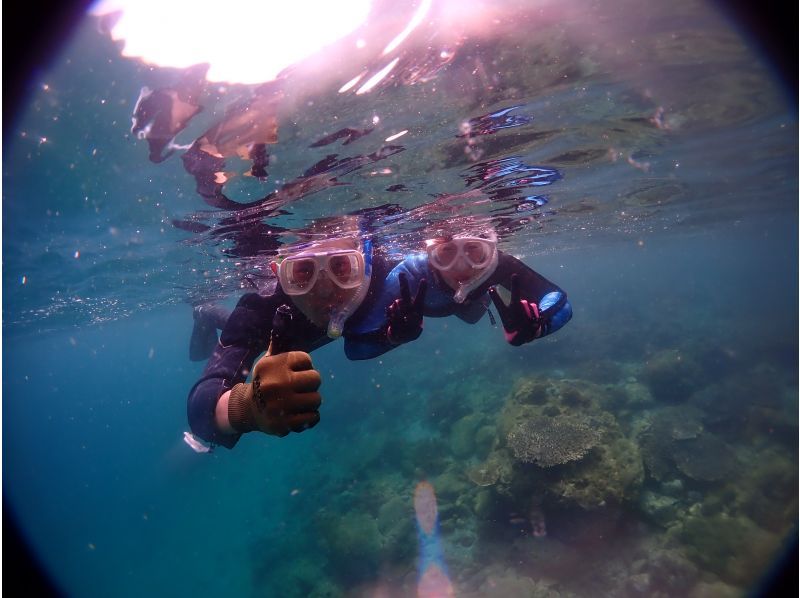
(324, 290)
(461, 272)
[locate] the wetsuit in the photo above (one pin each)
(369, 339)
(246, 335)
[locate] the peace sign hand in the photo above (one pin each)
(404, 315)
(520, 317)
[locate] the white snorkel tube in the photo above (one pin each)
(339, 316)
(466, 287)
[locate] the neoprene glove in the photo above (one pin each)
(520, 317)
(404, 315)
(282, 398)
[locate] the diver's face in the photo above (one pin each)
(460, 261)
(323, 299)
(459, 274)
(326, 296)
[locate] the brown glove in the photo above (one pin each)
(282, 398)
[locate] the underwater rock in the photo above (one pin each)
(661, 572)
(754, 402)
(352, 542)
(326, 589)
(427, 456)
(299, 578)
(483, 503)
(549, 441)
(671, 375)
(501, 581)
(460, 543)
(603, 370)
(495, 468)
(674, 488)
(734, 548)
(462, 435)
(705, 458)
(396, 526)
(484, 441)
(767, 491)
(659, 441)
(449, 486)
(681, 423)
(611, 475)
(638, 394)
(530, 390)
(660, 509)
(716, 589)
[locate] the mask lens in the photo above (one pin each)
(477, 253)
(345, 269)
(300, 274)
(444, 255)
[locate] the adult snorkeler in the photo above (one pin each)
(458, 274)
(324, 289)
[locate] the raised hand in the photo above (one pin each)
(404, 315)
(520, 317)
(282, 398)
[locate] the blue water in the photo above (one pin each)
(678, 239)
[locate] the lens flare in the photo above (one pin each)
(243, 41)
(433, 579)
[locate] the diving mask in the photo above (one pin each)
(464, 262)
(299, 273)
(475, 251)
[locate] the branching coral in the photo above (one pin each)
(549, 441)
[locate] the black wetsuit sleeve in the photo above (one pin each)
(532, 284)
(367, 345)
(244, 337)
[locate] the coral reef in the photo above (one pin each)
(549, 441)
(705, 458)
(671, 375)
(732, 547)
(594, 484)
(660, 571)
(469, 437)
(613, 477)
(565, 430)
(675, 443)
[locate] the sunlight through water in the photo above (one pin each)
(279, 33)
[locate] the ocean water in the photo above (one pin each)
(642, 157)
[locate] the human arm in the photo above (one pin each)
(281, 412)
(393, 315)
(537, 306)
(219, 404)
(283, 397)
(404, 314)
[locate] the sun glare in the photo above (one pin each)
(244, 41)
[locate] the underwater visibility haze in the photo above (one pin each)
(641, 155)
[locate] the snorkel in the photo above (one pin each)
(467, 286)
(339, 315)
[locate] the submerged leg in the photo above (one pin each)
(207, 320)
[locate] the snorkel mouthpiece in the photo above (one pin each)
(467, 286)
(336, 324)
(339, 317)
